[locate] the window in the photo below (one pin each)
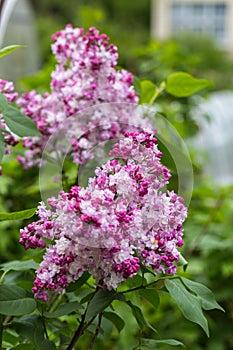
(199, 17)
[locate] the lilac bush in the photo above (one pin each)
(123, 224)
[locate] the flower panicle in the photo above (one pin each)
(122, 219)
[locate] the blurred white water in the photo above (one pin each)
(216, 136)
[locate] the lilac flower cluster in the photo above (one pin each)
(7, 89)
(85, 76)
(122, 219)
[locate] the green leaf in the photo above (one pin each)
(2, 146)
(64, 309)
(152, 343)
(4, 130)
(141, 321)
(18, 265)
(189, 304)
(31, 327)
(182, 84)
(3, 103)
(101, 300)
(19, 123)
(22, 347)
(137, 85)
(14, 301)
(79, 283)
(18, 215)
(150, 295)
(8, 49)
(87, 298)
(183, 262)
(115, 319)
(148, 91)
(207, 297)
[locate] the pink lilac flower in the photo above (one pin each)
(122, 219)
(85, 76)
(7, 89)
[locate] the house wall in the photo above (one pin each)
(161, 20)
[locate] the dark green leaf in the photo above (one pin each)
(137, 85)
(18, 215)
(182, 84)
(87, 298)
(19, 123)
(8, 49)
(141, 321)
(183, 262)
(18, 265)
(79, 283)
(135, 281)
(31, 327)
(2, 146)
(22, 347)
(3, 103)
(150, 295)
(152, 343)
(14, 301)
(4, 130)
(189, 304)
(148, 91)
(64, 309)
(115, 319)
(207, 297)
(101, 300)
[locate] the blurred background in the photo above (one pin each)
(154, 38)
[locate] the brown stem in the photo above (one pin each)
(78, 333)
(1, 329)
(96, 332)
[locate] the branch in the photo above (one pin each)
(78, 333)
(96, 332)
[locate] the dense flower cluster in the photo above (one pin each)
(85, 76)
(124, 217)
(7, 89)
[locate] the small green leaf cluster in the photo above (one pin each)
(178, 84)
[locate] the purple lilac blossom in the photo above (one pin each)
(123, 218)
(7, 90)
(85, 76)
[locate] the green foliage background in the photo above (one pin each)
(208, 229)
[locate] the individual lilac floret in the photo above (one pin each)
(7, 90)
(85, 76)
(123, 218)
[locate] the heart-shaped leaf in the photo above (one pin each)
(182, 84)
